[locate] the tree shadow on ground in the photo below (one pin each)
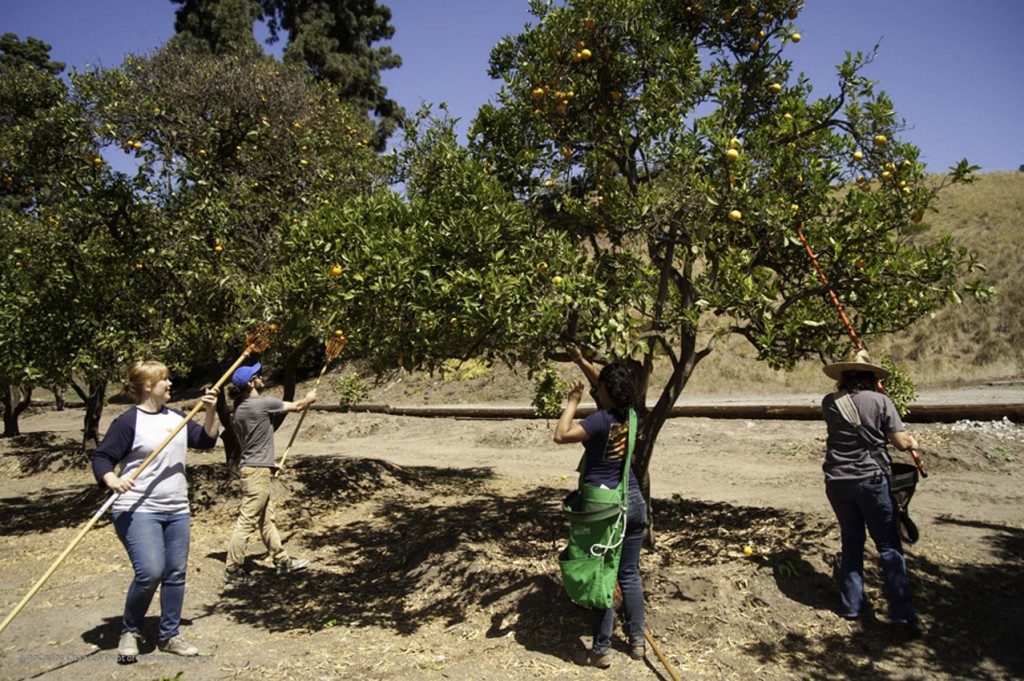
(711, 532)
(973, 616)
(976, 611)
(409, 561)
(34, 453)
(423, 546)
(48, 510)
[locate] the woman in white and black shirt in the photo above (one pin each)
(151, 513)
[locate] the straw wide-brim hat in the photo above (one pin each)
(855, 360)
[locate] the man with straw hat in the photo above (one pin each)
(253, 422)
(858, 487)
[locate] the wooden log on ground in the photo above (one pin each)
(924, 413)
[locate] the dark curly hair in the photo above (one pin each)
(856, 381)
(618, 381)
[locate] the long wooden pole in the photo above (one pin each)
(302, 417)
(849, 326)
(664, 660)
(113, 495)
(334, 347)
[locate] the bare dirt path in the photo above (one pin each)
(433, 545)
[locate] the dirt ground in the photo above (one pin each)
(433, 547)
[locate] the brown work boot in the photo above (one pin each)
(588, 658)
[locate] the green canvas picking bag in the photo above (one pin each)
(597, 526)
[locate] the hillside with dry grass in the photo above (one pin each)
(988, 217)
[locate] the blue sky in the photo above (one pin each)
(952, 68)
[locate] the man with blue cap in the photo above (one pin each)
(253, 423)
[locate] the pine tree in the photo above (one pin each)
(217, 26)
(334, 40)
(33, 52)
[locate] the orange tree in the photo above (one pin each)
(29, 94)
(452, 266)
(677, 149)
(69, 313)
(90, 308)
(235, 151)
(19, 369)
(82, 305)
(178, 253)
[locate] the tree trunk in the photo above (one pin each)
(13, 407)
(10, 419)
(93, 411)
(24, 402)
(232, 447)
(59, 398)
(78, 390)
(655, 419)
(289, 376)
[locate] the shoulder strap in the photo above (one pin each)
(848, 410)
(630, 443)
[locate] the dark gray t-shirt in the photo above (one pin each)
(847, 456)
(256, 430)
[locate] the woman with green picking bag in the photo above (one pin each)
(607, 444)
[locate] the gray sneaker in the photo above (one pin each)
(236, 577)
(292, 565)
(176, 645)
(128, 646)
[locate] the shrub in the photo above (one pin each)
(351, 390)
(549, 392)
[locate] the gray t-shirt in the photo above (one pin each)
(252, 421)
(848, 456)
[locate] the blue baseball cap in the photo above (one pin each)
(243, 375)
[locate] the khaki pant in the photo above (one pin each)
(255, 513)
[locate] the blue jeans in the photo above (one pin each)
(868, 502)
(603, 621)
(157, 545)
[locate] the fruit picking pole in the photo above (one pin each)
(849, 326)
(257, 342)
(831, 293)
(335, 345)
(664, 660)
